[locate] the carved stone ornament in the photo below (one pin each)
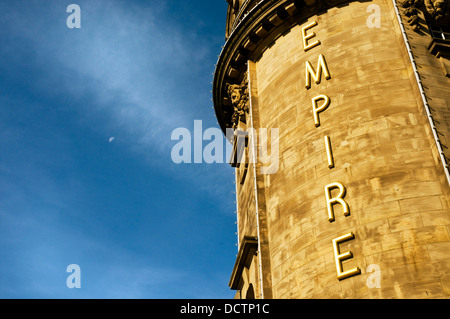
(436, 11)
(238, 94)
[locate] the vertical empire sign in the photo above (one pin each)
(319, 104)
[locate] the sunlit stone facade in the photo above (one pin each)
(354, 202)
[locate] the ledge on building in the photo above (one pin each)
(247, 250)
(441, 49)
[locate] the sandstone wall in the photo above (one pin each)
(383, 153)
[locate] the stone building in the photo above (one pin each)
(339, 117)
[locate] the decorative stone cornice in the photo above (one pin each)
(259, 24)
(237, 9)
(253, 25)
(241, 44)
(437, 12)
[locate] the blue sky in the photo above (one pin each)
(138, 225)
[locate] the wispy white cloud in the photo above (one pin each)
(142, 69)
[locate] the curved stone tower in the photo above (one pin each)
(339, 116)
